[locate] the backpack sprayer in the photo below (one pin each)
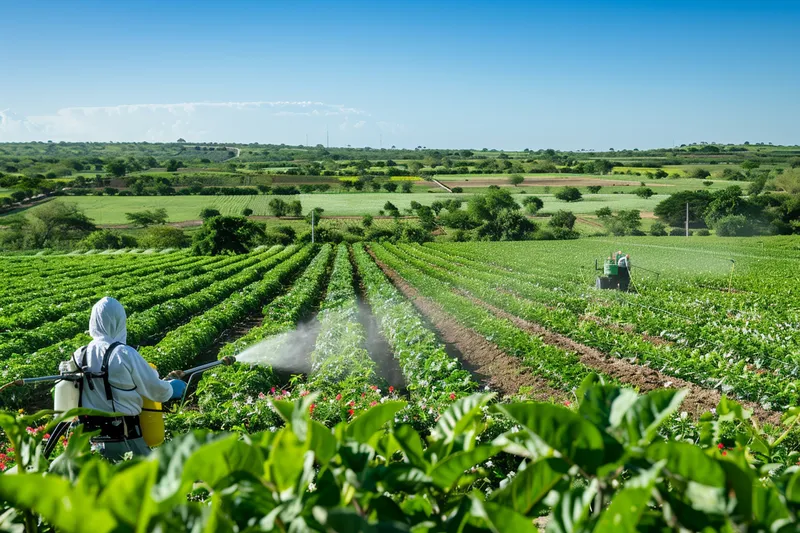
(68, 388)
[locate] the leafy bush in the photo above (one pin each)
(702, 233)
(658, 229)
(226, 235)
(164, 237)
(597, 467)
(733, 226)
(106, 240)
(562, 219)
(643, 192)
(532, 204)
(569, 194)
(208, 212)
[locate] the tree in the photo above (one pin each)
(516, 179)
(569, 194)
(508, 225)
(750, 164)
(726, 202)
(391, 209)
(209, 212)
(658, 229)
(625, 222)
(533, 204)
(110, 191)
(562, 219)
(161, 237)
(406, 186)
(173, 165)
(246, 212)
(427, 220)
(660, 174)
(643, 192)
(55, 222)
(317, 211)
(458, 219)
(367, 221)
(733, 226)
(294, 208)
(390, 186)
(147, 218)
(226, 235)
(277, 207)
(672, 210)
(489, 205)
(116, 168)
(106, 240)
(699, 174)
(603, 212)
(594, 189)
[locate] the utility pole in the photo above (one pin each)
(687, 219)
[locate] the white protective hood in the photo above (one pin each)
(108, 322)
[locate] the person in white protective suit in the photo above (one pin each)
(116, 379)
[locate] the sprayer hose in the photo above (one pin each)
(17, 382)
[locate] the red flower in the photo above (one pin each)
(304, 393)
(272, 390)
(352, 403)
(338, 397)
(724, 452)
(373, 404)
(46, 436)
(720, 446)
(373, 387)
(363, 394)
(261, 395)
(391, 389)
(452, 395)
(567, 403)
(311, 408)
(350, 412)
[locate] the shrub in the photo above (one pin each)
(106, 240)
(164, 237)
(703, 232)
(733, 226)
(569, 194)
(658, 229)
(562, 219)
(594, 189)
(246, 212)
(532, 204)
(226, 235)
(457, 190)
(643, 192)
(209, 212)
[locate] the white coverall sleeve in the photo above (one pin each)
(146, 378)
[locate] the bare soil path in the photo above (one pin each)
(489, 364)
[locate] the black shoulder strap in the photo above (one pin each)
(104, 371)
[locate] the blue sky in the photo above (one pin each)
(506, 75)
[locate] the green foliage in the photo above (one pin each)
(116, 168)
(488, 206)
(562, 219)
(732, 226)
(603, 466)
(516, 179)
(658, 229)
(643, 192)
(594, 189)
(209, 212)
(246, 212)
(672, 210)
(226, 235)
(160, 237)
(148, 217)
(507, 225)
(532, 204)
(625, 222)
(106, 240)
(569, 194)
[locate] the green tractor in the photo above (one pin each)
(616, 272)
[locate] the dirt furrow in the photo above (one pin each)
(698, 401)
(489, 364)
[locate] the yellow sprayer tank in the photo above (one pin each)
(152, 421)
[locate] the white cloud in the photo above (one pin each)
(269, 121)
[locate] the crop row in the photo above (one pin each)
(84, 274)
(431, 375)
(699, 323)
(25, 315)
(236, 396)
(561, 369)
(146, 295)
(707, 368)
(155, 320)
(181, 346)
(340, 360)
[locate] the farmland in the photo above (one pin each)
(372, 332)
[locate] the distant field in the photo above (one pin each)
(112, 209)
